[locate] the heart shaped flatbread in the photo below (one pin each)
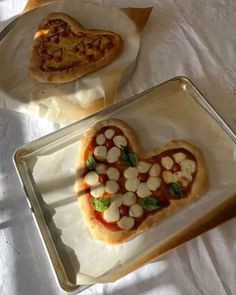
(122, 191)
(64, 51)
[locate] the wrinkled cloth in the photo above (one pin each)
(196, 39)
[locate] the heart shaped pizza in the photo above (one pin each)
(64, 51)
(122, 191)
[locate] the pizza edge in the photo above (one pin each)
(73, 73)
(99, 232)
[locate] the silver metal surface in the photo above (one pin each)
(48, 144)
(8, 28)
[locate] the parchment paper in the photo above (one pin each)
(157, 119)
(69, 102)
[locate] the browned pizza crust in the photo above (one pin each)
(74, 72)
(198, 188)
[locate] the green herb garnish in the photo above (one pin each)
(175, 189)
(150, 204)
(129, 157)
(101, 204)
(91, 163)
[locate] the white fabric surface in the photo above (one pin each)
(185, 37)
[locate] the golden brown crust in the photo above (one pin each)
(75, 72)
(198, 188)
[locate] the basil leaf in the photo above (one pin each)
(150, 204)
(175, 189)
(129, 157)
(100, 204)
(91, 163)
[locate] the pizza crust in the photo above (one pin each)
(74, 72)
(198, 188)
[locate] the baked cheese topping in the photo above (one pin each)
(135, 210)
(167, 162)
(113, 155)
(127, 188)
(113, 173)
(97, 191)
(126, 222)
(100, 152)
(131, 173)
(100, 139)
(129, 199)
(143, 190)
(109, 133)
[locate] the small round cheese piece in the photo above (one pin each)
(168, 176)
(112, 187)
(135, 211)
(131, 185)
(120, 141)
(153, 183)
(91, 178)
(100, 139)
(155, 170)
(143, 190)
(126, 222)
(101, 168)
(143, 167)
(188, 166)
(183, 177)
(100, 152)
(111, 214)
(179, 157)
(183, 174)
(113, 155)
(113, 173)
(129, 199)
(167, 162)
(97, 191)
(117, 200)
(131, 173)
(109, 133)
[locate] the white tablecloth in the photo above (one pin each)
(185, 37)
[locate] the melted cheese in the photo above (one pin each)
(111, 214)
(120, 141)
(109, 133)
(126, 222)
(168, 176)
(113, 155)
(179, 157)
(112, 187)
(91, 178)
(100, 152)
(129, 199)
(167, 162)
(153, 183)
(101, 168)
(117, 200)
(183, 177)
(131, 173)
(113, 173)
(143, 167)
(97, 191)
(135, 211)
(100, 139)
(143, 190)
(155, 170)
(188, 166)
(131, 185)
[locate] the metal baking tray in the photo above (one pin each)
(27, 156)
